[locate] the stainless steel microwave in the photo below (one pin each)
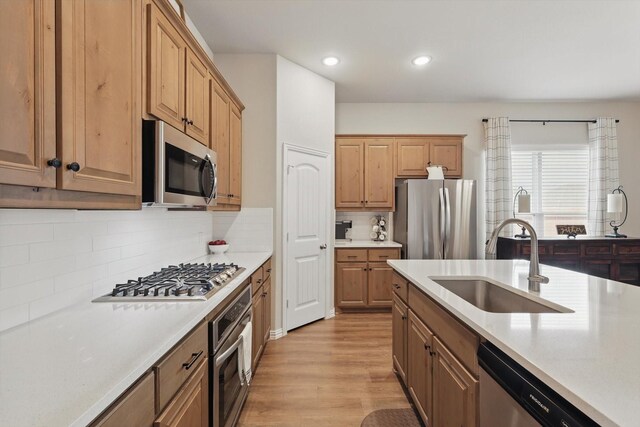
(177, 170)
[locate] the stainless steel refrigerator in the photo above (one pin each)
(436, 219)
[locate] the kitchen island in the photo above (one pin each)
(587, 351)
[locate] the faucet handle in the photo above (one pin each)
(539, 278)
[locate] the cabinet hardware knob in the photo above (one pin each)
(185, 120)
(194, 357)
(75, 167)
(190, 122)
(268, 270)
(404, 317)
(396, 286)
(55, 162)
(259, 281)
(427, 347)
(323, 246)
(364, 269)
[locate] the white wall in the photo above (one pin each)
(465, 118)
(50, 259)
(306, 118)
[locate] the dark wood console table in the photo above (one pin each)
(615, 259)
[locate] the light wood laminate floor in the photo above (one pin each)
(330, 373)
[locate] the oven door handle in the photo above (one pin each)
(224, 356)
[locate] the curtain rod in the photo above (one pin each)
(551, 121)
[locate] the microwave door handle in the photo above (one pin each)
(211, 194)
(214, 190)
(224, 356)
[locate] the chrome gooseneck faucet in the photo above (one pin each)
(535, 278)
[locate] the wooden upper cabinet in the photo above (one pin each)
(378, 173)
(412, 157)
(166, 73)
(219, 139)
(447, 152)
(27, 92)
(235, 156)
(197, 99)
(99, 81)
(349, 173)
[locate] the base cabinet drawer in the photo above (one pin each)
(136, 407)
(180, 363)
(190, 407)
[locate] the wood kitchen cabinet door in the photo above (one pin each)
(351, 284)
(166, 73)
(378, 173)
(266, 295)
(420, 368)
(447, 152)
(257, 319)
(235, 156)
(455, 390)
(100, 77)
(349, 173)
(197, 99)
(27, 92)
(190, 406)
(412, 157)
(399, 337)
(380, 276)
(220, 142)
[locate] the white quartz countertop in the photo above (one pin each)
(344, 244)
(590, 356)
(66, 368)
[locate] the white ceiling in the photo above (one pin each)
(482, 50)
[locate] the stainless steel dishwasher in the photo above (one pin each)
(510, 396)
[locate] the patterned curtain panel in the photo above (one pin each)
(603, 172)
(498, 190)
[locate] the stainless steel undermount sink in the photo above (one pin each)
(488, 296)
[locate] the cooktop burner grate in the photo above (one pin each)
(175, 283)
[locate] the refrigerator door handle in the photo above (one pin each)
(441, 220)
(447, 220)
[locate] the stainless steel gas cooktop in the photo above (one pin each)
(184, 282)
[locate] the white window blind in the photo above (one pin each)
(557, 179)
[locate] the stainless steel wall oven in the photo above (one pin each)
(226, 388)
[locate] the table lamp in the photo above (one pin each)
(524, 206)
(617, 203)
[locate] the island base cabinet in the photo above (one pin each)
(399, 335)
(136, 407)
(455, 391)
(190, 407)
(420, 366)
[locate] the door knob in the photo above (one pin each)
(323, 246)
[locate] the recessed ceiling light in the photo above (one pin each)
(421, 60)
(330, 61)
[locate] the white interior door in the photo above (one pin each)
(306, 205)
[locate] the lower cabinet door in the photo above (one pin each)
(190, 406)
(266, 295)
(257, 338)
(351, 284)
(399, 337)
(455, 390)
(135, 408)
(379, 283)
(420, 368)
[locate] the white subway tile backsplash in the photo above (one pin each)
(16, 234)
(50, 259)
(14, 255)
(58, 248)
(247, 230)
